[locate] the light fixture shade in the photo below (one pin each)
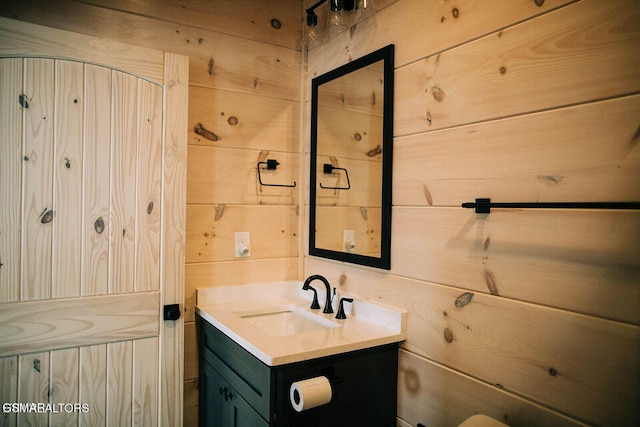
(365, 8)
(335, 21)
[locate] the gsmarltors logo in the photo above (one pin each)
(41, 408)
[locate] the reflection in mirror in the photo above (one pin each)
(351, 148)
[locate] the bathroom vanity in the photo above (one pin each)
(253, 350)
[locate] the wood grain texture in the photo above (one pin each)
(176, 101)
(33, 387)
(583, 261)
(244, 18)
(33, 40)
(191, 358)
(37, 180)
(557, 60)
(93, 384)
(116, 370)
(230, 176)
(97, 149)
(242, 120)
(146, 363)
(9, 388)
(120, 383)
(124, 146)
(420, 29)
(191, 390)
(37, 325)
(11, 88)
(557, 155)
(68, 167)
(428, 391)
(211, 240)
(216, 59)
(65, 385)
(149, 187)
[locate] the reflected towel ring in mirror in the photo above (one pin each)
(272, 164)
(328, 170)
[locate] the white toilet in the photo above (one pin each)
(481, 421)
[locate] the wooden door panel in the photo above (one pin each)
(97, 150)
(93, 384)
(123, 175)
(10, 171)
(37, 179)
(68, 166)
(90, 157)
(149, 202)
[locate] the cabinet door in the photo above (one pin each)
(213, 407)
(221, 405)
(241, 414)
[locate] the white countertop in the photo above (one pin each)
(368, 323)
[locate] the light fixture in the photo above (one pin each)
(335, 23)
(340, 15)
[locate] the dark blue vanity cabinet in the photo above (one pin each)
(237, 389)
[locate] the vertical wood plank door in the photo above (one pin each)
(92, 201)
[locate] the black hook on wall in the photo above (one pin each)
(272, 164)
(328, 169)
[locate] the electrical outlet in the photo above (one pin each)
(349, 240)
(242, 244)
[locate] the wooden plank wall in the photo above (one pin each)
(538, 101)
(530, 317)
(245, 87)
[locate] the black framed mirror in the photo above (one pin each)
(351, 161)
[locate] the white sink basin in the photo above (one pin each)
(285, 320)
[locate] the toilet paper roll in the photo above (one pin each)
(310, 393)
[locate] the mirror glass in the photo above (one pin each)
(351, 157)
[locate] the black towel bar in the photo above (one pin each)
(485, 205)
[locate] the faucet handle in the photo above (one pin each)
(341, 314)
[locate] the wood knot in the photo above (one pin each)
(343, 279)
(503, 70)
(276, 24)
(448, 335)
(437, 93)
(46, 216)
(210, 69)
(67, 163)
(553, 372)
(23, 101)
(455, 12)
(464, 299)
(374, 151)
(150, 208)
(219, 212)
(36, 364)
(99, 225)
(357, 136)
(205, 133)
(233, 120)
(539, 3)
(490, 280)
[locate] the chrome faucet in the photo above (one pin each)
(306, 287)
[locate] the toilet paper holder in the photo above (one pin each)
(315, 391)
